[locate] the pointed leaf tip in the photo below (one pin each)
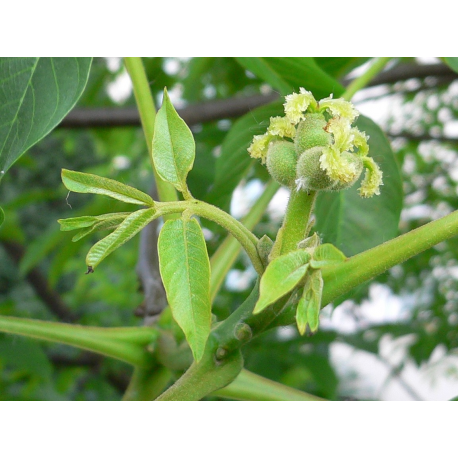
(173, 146)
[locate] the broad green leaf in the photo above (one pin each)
(281, 276)
(173, 146)
(452, 62)
(93, 184)
(185, 271)
(2, 216)
(288, 74)
(35, 95)
(354, 224)
(133, 224)
(308, 308)
(234, 161)
(325, 255)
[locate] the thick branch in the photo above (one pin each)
(194, 114)
(237, 106)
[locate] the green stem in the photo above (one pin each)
(147, 384)
(295, 224)
(359, 83)
(147, 110)
(342, 277)
(225, 256)
(245, 237)
(205, 377)
(125, 344)
(251, 387)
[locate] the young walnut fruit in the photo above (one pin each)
(311, 133)
(281, 162)
(311, 175)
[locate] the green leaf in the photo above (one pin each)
(70, 224)
(308, 308)
(35, 95)
(325, 255)
(173, 146)
(185, 271)
(281, 276)
(2, 216)
(234, 161)
(111, 221)
(134, 223)
(93, 184)
(452, 62)
(262, 68)
(339, 66)
(288, 74)
(354, 224)
(92, 223)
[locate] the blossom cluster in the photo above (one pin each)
(339, 166)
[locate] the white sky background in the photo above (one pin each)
(365, 375)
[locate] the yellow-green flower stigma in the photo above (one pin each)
(258, 147)
(372, 179)
(281, 127)
(297, 104)
(332, 161)
(339, 108)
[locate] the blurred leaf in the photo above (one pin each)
(261, 67)
(185, 271)
(36, 93)
(133, 224)
(452, 62)
(25, 354)
(281, 276)
(354, 224)
(94, 184)
(173, 146)
(2, 216)
(288, 74)
(234, 162)
(194, 81)
(38, 248)
(339, 66)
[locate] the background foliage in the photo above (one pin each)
(226, 101)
